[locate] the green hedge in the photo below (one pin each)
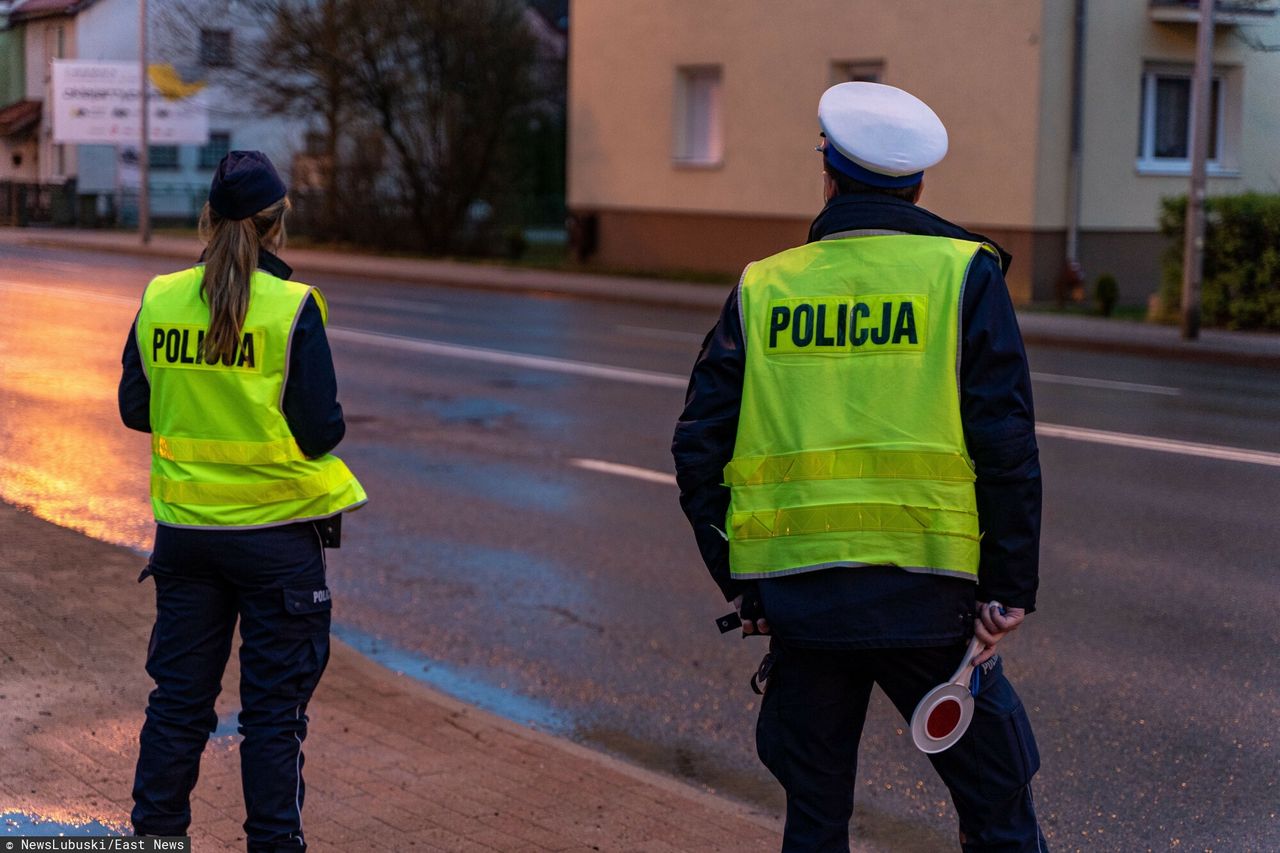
(1241, 285)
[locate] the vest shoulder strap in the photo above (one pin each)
(322, 303)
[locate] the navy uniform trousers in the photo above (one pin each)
(811, 720)
(273, 581)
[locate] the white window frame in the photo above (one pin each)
(686, 151)
(1220, 165)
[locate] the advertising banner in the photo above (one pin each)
(100, 103)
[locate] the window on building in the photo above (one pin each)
(857, 71)
(215, 149)
(162, 157)
(316, 143)
(1165, 139)
(699, 137)
(215, 48)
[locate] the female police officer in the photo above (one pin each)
(229, 370)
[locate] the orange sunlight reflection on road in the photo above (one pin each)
(63, 452)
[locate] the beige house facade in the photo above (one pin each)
(692, 125)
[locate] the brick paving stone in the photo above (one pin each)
(391, 764)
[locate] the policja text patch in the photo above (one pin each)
(183, 346)
(847, 325)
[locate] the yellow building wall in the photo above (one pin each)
(1053, 129)
(1121, 41)
(998, 72)
(976, 62)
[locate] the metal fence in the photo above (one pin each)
(37, 204)
(60, 205)
(504, 224)
(498, 225)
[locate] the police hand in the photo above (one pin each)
(751, 611)
(993, 624)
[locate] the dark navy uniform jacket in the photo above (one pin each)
(311, 405)
(883, 606)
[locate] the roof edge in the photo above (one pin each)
(70, 9)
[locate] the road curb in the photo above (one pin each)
(659, 293)
(1187, 352)
(644, 776)
(456, 274)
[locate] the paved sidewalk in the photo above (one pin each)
(391, 765)
(1044, 328)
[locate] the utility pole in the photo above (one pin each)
(1075, 168)
(1201, 115)
(144, 148)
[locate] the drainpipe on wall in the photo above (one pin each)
(1072, 275)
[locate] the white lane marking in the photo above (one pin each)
(1184, 448)
(70, 293)
(667, 380)
(1047, 378)
(83, 294)
(1109, 384)
(662, 334)
(390, 304)
(1160, 445)
(514, 359)
(635, 473)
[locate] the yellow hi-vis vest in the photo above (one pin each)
(850, 449)
(222, 454)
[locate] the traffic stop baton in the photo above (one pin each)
(942, 717)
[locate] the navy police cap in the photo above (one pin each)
(244, 183)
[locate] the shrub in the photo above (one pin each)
(1106, 293)
(1241, 283)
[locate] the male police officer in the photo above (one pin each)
(865, 398)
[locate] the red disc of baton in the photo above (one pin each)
(943, 719)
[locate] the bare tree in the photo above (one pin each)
(291, 63)
(443, 85)
(300, 68)
(445, 82)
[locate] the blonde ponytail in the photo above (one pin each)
(230, 257)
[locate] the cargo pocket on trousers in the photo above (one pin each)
(1007, 754)
(307, 612)
(307, 615)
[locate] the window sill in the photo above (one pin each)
(698, 165)
(1181, 169)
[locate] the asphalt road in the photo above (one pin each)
(524, 549)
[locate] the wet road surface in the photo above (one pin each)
(524, 549)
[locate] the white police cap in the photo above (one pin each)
(880, 135)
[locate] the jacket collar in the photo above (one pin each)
(272, 265)
(269, 264)
(877, 212)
